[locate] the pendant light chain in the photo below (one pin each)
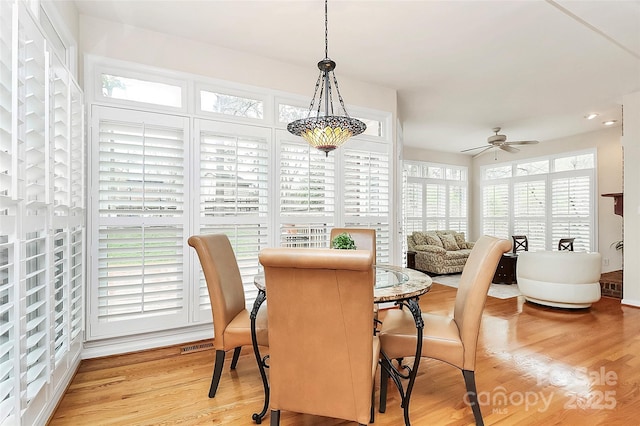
(326, 30)
(329, 131)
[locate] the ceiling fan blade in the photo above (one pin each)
(471, 149)
(522, 142)
(509, 148)
(483, 151)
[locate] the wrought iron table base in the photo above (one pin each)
(262, 361)
(388, 370)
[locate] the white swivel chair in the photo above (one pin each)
(562, 279)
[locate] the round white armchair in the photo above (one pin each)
(562, 279)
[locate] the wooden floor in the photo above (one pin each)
(535, 366)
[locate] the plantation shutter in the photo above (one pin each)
(9, 387)
(366, 195)
(571, 211)
(8, 150)
(232, 194)
(457, 207)
(413, 206)
(32, 165)
(35, 182)
(529, 212)
(307, 194)
(435, 206)
(495, 210)
(8, 375)
(140, 215)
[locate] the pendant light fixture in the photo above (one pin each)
(321, 128)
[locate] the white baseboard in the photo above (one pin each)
(631, 302)
(59, 392)
(121, 345)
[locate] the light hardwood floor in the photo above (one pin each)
(535, 366)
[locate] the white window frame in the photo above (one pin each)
(95, 66)
(138, 75)
(550, 241)
(447, 184)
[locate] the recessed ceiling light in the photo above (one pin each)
(609, 122)
(591, 116)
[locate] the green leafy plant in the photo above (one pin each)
(343, 241)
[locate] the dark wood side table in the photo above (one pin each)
(506, 270)
(411, 259)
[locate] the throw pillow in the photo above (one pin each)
(419, 238)
(433, 239)
(449, 242)
(460, 240)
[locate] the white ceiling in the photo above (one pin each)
(533, 67)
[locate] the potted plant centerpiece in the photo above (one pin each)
(344, 242)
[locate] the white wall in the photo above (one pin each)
(631, 143)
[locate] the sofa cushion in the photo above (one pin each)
(430, 248)
(449, 242)
(460, 239)
(457, 254)
(420, 239)
(433, 239)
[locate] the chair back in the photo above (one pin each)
(472, 292)
(364, 238)
(321, 343)
(566, 244)
(520, 243)
(224, 281)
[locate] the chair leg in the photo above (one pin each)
(275, 417)
(217, 372)
(236, 355)
(372, 418)
(470, 383)
(384, 381)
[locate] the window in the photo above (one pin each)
(495, 200)
(545, 199)
(435, 197)
(140, 220)
(222, 164)
(226, 104)
(41, 224)
(139, 90)
(367, 195)
(307, 194)
(233, 196)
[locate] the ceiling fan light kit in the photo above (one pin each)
(500, 141)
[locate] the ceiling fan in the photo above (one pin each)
(499, 141)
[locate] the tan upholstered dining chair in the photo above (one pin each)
(364, 238)
(323, 354)
(445, 338)
(231, 322)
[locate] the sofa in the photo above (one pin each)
(561, 279)
(438, 252)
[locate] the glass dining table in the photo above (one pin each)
(394, 284)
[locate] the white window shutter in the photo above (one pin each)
(140, 216)
(307, 194)
(233, 175)
(495, 210)
(571, 211)
(530, 212)
(367, 194)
